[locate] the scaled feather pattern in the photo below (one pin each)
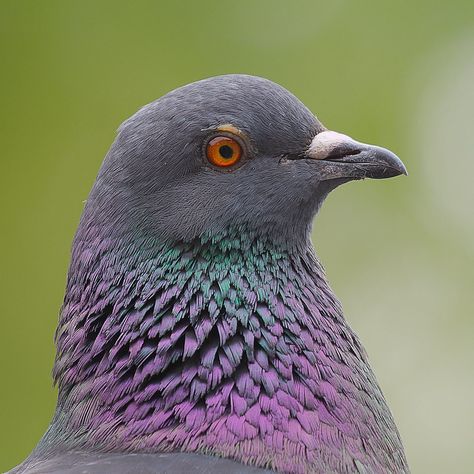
(228, 345)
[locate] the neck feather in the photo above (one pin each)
(230, 344)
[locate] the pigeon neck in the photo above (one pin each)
(229, 344)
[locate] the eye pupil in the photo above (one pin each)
(226, 152)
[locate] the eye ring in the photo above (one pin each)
(224, 151)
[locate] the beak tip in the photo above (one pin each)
(400, 169)
(390, 165)
(403, 169)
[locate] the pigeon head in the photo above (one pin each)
(232, 149)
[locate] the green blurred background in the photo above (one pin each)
(399, 253)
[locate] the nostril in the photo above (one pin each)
(341, 152)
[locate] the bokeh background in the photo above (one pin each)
(399, 253)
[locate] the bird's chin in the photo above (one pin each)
(328, 185)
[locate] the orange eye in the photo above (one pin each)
(223, 151)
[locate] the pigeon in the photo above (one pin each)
(198, 331)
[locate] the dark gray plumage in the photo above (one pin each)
(162, 463)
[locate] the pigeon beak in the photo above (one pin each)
(346, 158)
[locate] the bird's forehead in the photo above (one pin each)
(249, 105)
(264, 112)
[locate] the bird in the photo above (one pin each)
(198, 331)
